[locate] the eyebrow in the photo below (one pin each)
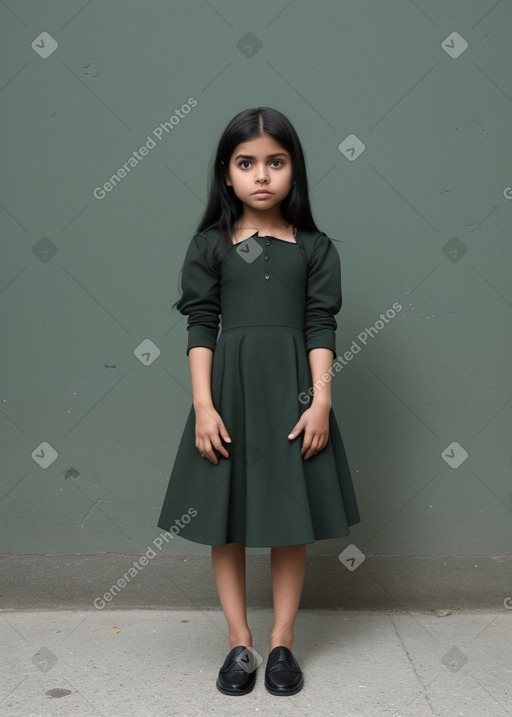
(249, 156)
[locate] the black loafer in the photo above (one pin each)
(238, 673)
(283, 675)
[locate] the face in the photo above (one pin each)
(260, 163)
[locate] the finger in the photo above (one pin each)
(224, 433)
(211, 457)
(313, 447)
(218, 445)
(296, 430)
(306, 443)
(320, 445)
(207, 452)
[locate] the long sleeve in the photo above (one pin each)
(200, 300)
(323, 299)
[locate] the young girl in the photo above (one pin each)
(261, 461)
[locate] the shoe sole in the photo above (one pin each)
(235, 693)
(285, 693)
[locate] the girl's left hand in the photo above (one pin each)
(315, 422)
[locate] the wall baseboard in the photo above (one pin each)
(428, 583)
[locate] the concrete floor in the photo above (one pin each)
(387, 663)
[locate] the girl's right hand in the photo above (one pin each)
(209, 429)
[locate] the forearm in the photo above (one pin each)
(200, 362)
(320, 361)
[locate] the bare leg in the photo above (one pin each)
(228, 563)
(288, 569)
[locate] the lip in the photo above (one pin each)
(262, 192)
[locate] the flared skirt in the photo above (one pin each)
(265, 493)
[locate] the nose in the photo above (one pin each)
(261, 173)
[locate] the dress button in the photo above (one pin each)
(267, 241)
(267, 276)
(267, 257)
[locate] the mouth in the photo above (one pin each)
(262, 193)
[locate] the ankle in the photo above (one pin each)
(281, 640)
(244, 639)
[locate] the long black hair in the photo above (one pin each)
(224, 208)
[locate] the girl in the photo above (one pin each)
(261, 461)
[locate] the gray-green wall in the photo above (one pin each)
(424, 213)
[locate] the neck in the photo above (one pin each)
(265, 221)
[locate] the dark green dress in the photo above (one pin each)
(277, 301)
